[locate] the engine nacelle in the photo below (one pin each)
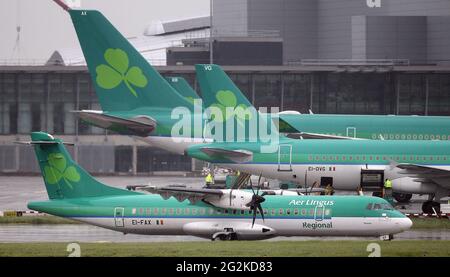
(239, 199)
(408, 185)
(241, 230)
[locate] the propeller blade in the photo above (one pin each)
(254, 215)
(261, 211)
(251, 186)
(259, 183)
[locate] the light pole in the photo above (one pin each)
(211, 31)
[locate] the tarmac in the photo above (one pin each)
(88, 233)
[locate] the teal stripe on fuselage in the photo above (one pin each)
(370, 126)
(137, 205)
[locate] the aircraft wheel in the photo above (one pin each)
(426, 207)
(436, 206)
(402, 197)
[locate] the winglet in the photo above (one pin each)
(62, 5)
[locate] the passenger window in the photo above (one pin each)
(288, 211)
(148, 211)
(295, 211)
(194, 211)
(163, 211)
(186, 211)
(272, 211)
(303, 212)
(202, 211)
(280, 211)
(171, 211)
(242, 212)
(155, 211)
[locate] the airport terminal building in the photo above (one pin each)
(327, 56)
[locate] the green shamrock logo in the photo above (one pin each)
(116, 71)
(57, 170)
(227, 99)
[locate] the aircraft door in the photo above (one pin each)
(351, 132)
(285, 157)
(318, 213)
(119, 217)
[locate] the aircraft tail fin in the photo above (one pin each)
(219, 91)
(123, 78)
(216, 86)
(183, 88)
(63, 177)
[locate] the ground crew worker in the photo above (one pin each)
(329, 190)
(209, 179)
(359, 191)
(387, 188)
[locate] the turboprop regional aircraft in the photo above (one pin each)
(214, 82)
(419, 167)
(207, 213)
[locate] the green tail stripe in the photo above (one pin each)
(123, 79)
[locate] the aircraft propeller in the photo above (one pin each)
(255, 203)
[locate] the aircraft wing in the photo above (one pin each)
(237, 156)
(422, 171)
(305, 135)
(181, 193)
(425, 174)
(308, 190)
(139, 125)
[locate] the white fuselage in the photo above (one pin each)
(206, 227)
(345, 177)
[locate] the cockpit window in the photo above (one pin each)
(369, 206)
(387, 206)
(377, 206)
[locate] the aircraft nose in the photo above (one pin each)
(405, 223)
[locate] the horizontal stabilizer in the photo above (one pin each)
(237, 156)
(139, 125)
(42, 142)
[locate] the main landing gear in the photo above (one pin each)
(227, 234)
(402, 197)
(431, 207)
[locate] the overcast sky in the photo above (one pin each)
(45, 27)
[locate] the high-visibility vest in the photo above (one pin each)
(209, 178)
(388, 184)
